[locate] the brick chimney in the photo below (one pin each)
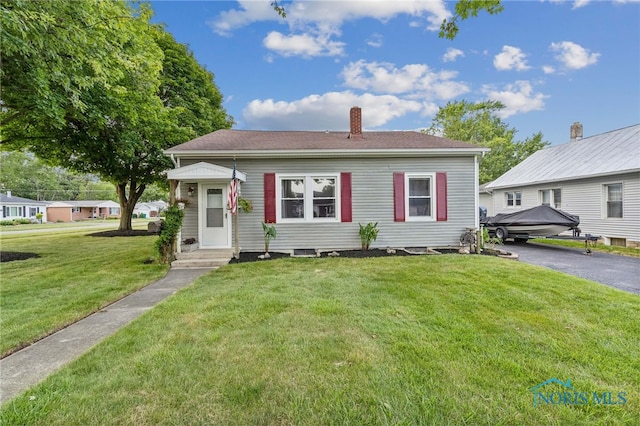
(355, 130)
(576, 132)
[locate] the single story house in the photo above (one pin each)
(317, 187)
(71, 211)
(150, 209)
(21, 208)
(596, 178)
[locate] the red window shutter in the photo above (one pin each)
(441, 196)
(398, 197)
(345, 197)
(270, 198)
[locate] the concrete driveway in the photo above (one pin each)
(621, 272)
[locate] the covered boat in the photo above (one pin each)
(539, 221)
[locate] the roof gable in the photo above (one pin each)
(609, 153)
(204, 171)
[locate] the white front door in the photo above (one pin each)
(214, 223)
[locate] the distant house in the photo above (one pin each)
(596, 178)
(150, 209)
(21, 208)
(70, 211)
(316, 188)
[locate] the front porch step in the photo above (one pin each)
(213, 258)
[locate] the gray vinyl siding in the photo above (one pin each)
(190, 221)
(586, 198)
(372, 201)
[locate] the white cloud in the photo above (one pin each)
(413, 80)
(452, 54)
(517, 98)
(304, 45)
(548, 69)
(375, 40)
(249, 12)
(510, 58)
(329, 111)
(312, 23)
(580, 3)
(573, 56)
(301, 12)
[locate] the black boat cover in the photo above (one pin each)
(539, 215)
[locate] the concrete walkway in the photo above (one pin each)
(33, 364)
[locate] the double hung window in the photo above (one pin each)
(308, 197)
(613, 194)
(420, 196)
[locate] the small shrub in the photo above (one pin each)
(6, 223)
(269, 234)
(169, 229)
(488, 241)
(368, 234)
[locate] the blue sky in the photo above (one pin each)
(550, 62)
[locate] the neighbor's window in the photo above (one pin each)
(514, 198)
(75, 210)
(613, 194)
(419, 190)
(114, 211)
(551, 197)
(33, 211)
(308, 197)
(15, 211)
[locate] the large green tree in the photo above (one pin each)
(92, 86)
(26, 176)
(479, 124)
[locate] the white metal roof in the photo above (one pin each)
(609, 153)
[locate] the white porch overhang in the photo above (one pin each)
(204, 171)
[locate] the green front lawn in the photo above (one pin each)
(444, 339)
(74, 276)
(624, 251)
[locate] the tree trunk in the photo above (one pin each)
(128, 204)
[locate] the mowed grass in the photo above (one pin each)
(409, 340)
(74, 276)
(624, 251)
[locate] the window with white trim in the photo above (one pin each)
(551, 197)
(613, 194)
(513, 198)
(307, 197)
(419, 196)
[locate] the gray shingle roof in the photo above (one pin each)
(4, 199)
(609, 153)
(250, 140)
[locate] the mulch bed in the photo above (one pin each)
(116, 233)
(255, 256)
(10, 256)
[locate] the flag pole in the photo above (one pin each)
(236, 244)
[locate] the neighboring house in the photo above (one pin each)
(317, 187)
(70, 211)
(150, 209)
(21, 208)
(486, 199)
(596, 178)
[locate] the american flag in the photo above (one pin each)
(233, 191)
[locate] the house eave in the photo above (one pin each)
(334, 153)
(557, 180)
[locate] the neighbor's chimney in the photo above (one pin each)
(355, 131)
(576, 131)
(9, 194)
